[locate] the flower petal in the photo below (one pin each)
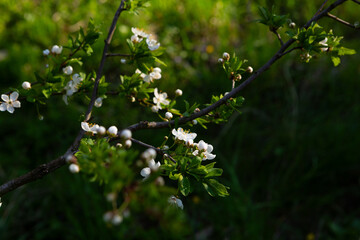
(85, 126)
(5, 97)
(14, 96)
(3, 107)
(16, 104)
(145, 172)
(10, 108)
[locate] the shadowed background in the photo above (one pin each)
(291, 159)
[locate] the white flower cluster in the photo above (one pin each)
(72, 86)
(115, 218)
(201, 147)
(55, 50)
(324, 43)
(149, 156)
(10, 102)
(158, 99)
(139, 35)
(155, 73)
(176, 201)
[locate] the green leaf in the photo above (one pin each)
(214, 188)
(184, 186)
(336, 60)
(346, 51)
(47, 92)
(214, 172)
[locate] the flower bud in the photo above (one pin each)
(292, 25)
(238, 77)
(74, 168)
(101, 130)
(98, 102)
(197, 110)
(154, 109)
(123, 61)
(68, 70)
(168, 115)
(194, 122)
(110, 197)
(125, 134)
(221, 60)
(26, 85)
(116, 219)
(249, 69)
(108, 216)
(46, 52)
(160, 181)
(128, 143)
(112, 131)
(70, 158)
(178, 92)
(226, 56)
(152, 153)
(56, 49)
(165, 147)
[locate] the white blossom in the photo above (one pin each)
(178, 92)
(123, 61)
(113, 131)
(176, 201)
(155, 108)
(194, 122)
(68, 70)
(154, 74)
(148, 154)
(74, 168)
(160, 98)
(249, 69)
(206, 149)
(168, 115)
(98, 102)
(56, 49)
(324, 43)
(126, 134)
(46, 52)
(92, 128)
(152, 167)
(26, 85)
(10, 102)
(182, 135)
(152, 44)
(139, 35)
(76, 78)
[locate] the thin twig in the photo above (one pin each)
(45, 169)
(341, 21)
(278, 36)
(117, 55)
(321, 8)
(290, 50)
(158, 150)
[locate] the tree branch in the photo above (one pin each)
(158, 150)
(45, 169)
(278, 36)
(356, 1)
(341, 21)
(235, 91)
(117, 55)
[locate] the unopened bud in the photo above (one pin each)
(221, 60)
(112, 131)
(249, 69)
(292, 25)
(178, 92)
(74, 168)
(238, 77)
(26, 85)
(123, 61)
(226, 56)
(197, 110)
(125, 134)
(168, 115)
(194, 122)
(128, 143)
(70, 158)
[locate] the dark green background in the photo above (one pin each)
(291, 159)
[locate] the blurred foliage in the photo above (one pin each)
(290, 159)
